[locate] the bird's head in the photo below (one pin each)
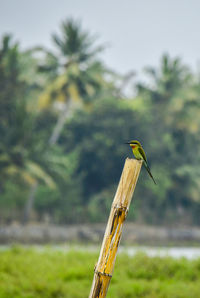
(134, 143)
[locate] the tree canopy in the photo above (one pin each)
(63, 125)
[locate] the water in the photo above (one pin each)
(175, 252)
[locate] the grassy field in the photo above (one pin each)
(29, 273)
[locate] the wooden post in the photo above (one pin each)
(119, 210)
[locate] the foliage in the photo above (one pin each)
(28, 273)
(99, 135)
(79, 76)
(63, 127)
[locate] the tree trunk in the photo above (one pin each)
(29, 203)
(60, 124)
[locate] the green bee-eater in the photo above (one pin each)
(139, 153)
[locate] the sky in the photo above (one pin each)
(137, 32)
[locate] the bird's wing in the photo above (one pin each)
(140, 149)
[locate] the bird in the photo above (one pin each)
(139, 154)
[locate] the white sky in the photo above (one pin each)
(138, 31)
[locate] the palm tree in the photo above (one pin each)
(167, 80)
(22, 150)
(75, 45)
(79, 77)
(75, 77)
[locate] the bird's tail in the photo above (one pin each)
(149, 171)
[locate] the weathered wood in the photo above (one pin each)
(119, 210)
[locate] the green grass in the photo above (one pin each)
(29, 273)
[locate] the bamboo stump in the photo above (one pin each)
(119, 210)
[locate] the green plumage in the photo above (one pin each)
(139, 154)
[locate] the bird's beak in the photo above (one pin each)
(127, 143)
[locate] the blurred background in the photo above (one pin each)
(76, 83)
(77, 80)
